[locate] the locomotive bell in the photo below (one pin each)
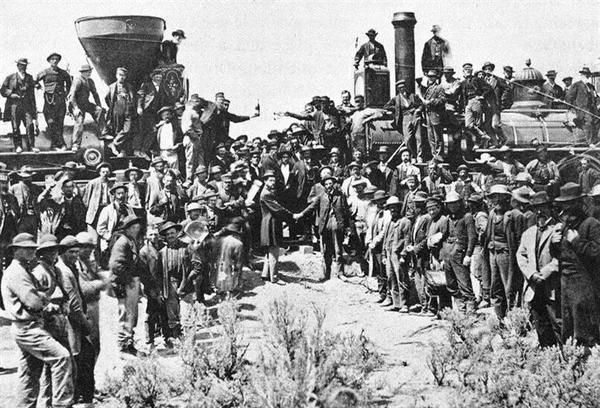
(532, 80)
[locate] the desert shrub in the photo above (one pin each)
(300, 361)
(499, 364)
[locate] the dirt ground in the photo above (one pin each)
(404, 379)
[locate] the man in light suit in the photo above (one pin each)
(540, 269)
(112, 214)
(96, 196)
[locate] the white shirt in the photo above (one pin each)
(285, 170)
(165, 137)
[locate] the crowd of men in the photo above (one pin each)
(504, 234)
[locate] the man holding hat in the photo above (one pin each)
(372, 50)
(582, 94)
(125, 281)
(458, 250)
(57, 83)
(121, 103)
(79, 104)
(26, 305)
(434, 51)
(541, 292)
(575, 242)
(552, 90)
(18, 89)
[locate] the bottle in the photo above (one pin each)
(257, 108)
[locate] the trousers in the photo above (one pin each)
(18, 115)
(579, 309)
(397, 279)
(458, 277)
(331, 246)
(270, 265)
(97, 114)
(194, 156)
(37, 348)
(546, 318)
(54, 113)
(128, 313)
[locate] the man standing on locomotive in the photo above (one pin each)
(79, 104)
(120, 100)
(57, 82)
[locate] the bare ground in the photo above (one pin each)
(403, 381)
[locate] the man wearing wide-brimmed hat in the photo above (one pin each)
(539, 266)
(57, 83)
(371, 51)
(435, 51)
(18, 89)
(576, 245)
(458, 249)
(125, 281)
(502, 241)
(582, 95)
(394, 239)
(376, 226)
(79, 104)
(27, 194)
(26, 306)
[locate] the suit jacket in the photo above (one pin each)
(123, 264)
(111, 96)
(91, 198)
(271, 232)
(27, 197)
(583, 96)
(79, 95)
(304, 179)
(149, 98)
(107, 224)
(437, 107)
(25, 87)
(533, 255)
(153, 189)
(399, 176)
(322, 204)
(434, 51)
(371, 48)
(396, 236)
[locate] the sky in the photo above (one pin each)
(284, 52)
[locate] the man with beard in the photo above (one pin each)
(575, 242)
(200, 185)
(169, 138)
(150, 98)
(177, 274)
(57, 83)
(27, 194)
(501, 241)
(18, 89)
(111, 216)
(401, 173)
(168, 204)
(355, 176)
(434, 102)
(540, 269)
(334, 219)
(544, 171)
(271, 230)
(464, 185)
(97, 195)
(437, 179)
(458, 250)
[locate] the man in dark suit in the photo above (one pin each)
(304, 175)
(121, 103)
(434, 51)
(254, 167)
(18, 89)
(27, 194)
(582, 94)
(224, 118)
(70, 210)
(79, 104)
(552, 90)
(150, 100)
(57, 82)
(371, 51)
(333, 217)
(435, 105)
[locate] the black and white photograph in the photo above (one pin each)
(300, 204)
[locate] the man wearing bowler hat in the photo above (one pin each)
(18, 89)
(434, 51)
(541, 292)
(26, 305)
(125, 281)
(552, 90)
(575, 242)
(57, 83)
(372, 50)
(582, 94)
(79, 104)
